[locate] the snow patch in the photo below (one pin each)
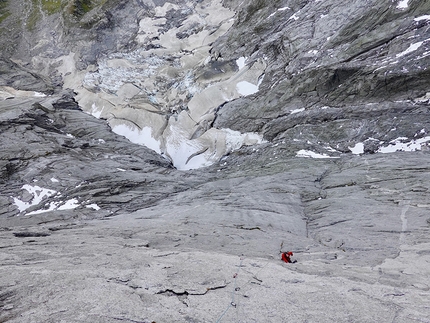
(95, 111)
(69, 205)
(357, 149)
(398, 145)
(54, 180)
(138, 136)
(240, 62)
(403, 4)
(39, 193)
(245, 88)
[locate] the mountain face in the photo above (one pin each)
(157, 157)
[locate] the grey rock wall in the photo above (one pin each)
(95, 228)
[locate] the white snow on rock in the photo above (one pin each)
(240, 62)
(93, 206)
(246, 88)
(280, 9)
(311, 154)
(52, 207)
(95, 111)
(426, 17)
(295, 17)
(403, 4)
(410, 49)
(297, 110)
(138, 136)
(69, 205)
(399, 145)
(357, 149)
(39, 193)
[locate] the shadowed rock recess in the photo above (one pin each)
(157, 157)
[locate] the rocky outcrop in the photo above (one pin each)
(312, 117)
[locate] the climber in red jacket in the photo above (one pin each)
(286, 256)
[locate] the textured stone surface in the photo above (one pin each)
(95, 228)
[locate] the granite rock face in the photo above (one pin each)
(253, 128)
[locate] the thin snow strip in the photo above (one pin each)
(297, 111)
(311, 154)
(410, 49)
(426, 17)
(280, 9)
(295, 17)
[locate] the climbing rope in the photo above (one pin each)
(233, 293)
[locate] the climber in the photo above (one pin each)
(286, 256)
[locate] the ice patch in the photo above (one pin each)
(311, 154)
(403, 4)
(39, 193)
(357, 149)
(426, 17)
(410, 49)
(137, 136)
(398, 145)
